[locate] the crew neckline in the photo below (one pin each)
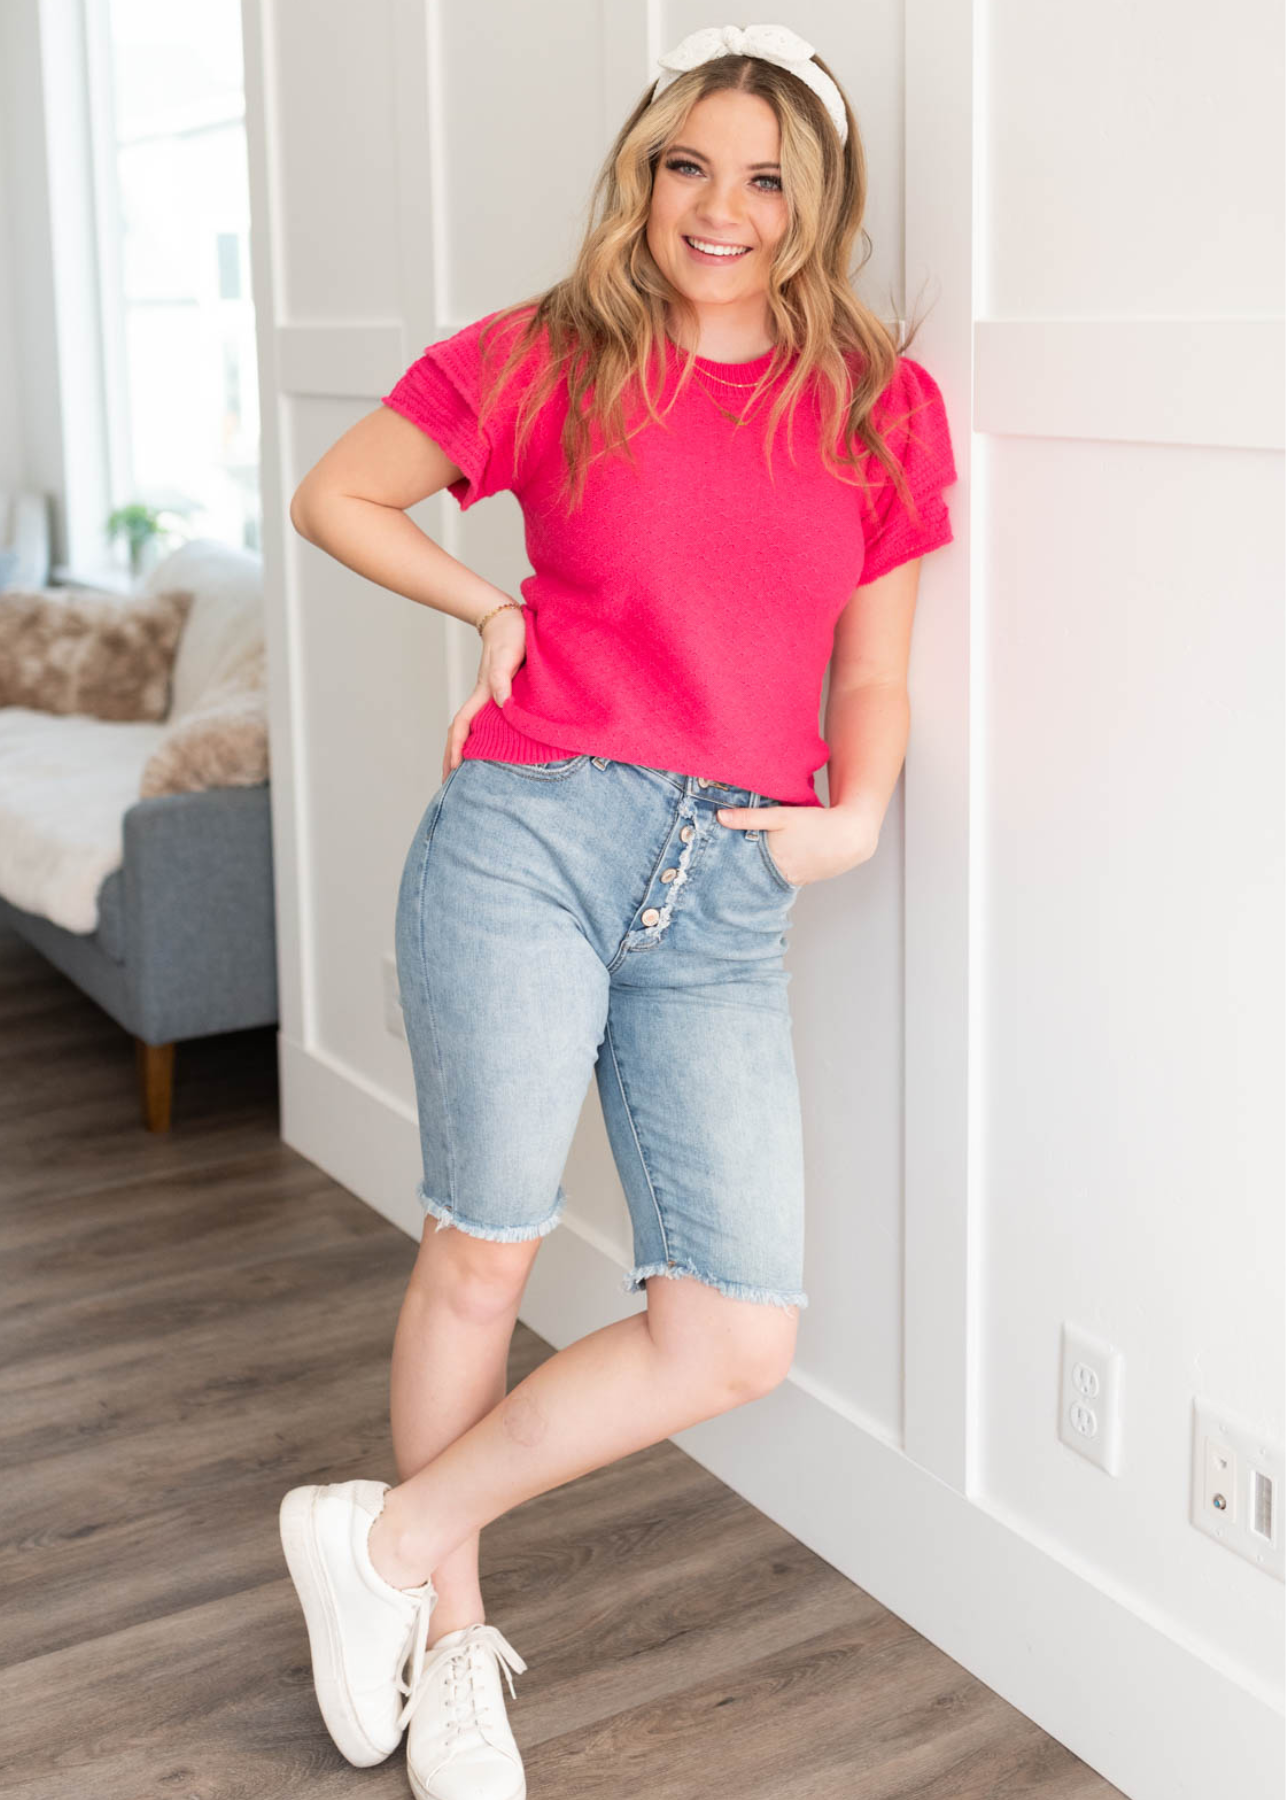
(750, 371)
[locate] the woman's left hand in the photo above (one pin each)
(809, 843)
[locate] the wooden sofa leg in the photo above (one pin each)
(156, 1082)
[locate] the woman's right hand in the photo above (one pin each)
(504, 649)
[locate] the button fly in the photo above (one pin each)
(651, 916)
(668, 874)
(688, 833)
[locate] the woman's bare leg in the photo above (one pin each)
(693, 1354)
(450, 1357)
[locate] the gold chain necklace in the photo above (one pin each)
(733, 418)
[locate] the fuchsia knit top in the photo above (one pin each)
(683, 615)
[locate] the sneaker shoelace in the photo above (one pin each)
(465, 1660)
(417, 1635)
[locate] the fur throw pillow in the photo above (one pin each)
(222, 742)
(64, 650)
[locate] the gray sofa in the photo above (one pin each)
(184, 944)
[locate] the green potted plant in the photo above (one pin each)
(145, 528)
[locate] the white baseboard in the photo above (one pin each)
(1153, 1714)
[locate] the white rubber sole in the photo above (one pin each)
(307, 1571)
(422, 1793)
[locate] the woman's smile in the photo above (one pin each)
(712, 250)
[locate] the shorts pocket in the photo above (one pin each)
(791, 887)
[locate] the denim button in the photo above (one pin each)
(702, 782)
(668, 874)
(688, 833)
(651, 916)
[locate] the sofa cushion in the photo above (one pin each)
(221, 743)
(225, 625)
(63, 650)
(65, 785)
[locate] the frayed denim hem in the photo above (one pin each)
(496, 1234)
(735, 1290)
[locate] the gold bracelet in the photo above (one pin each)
(495, 609)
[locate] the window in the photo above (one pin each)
(173, 207)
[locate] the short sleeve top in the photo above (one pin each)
(683, 615)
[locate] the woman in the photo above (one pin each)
(603, 882)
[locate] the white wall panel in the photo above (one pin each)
(1128, 806)
(1137, 160)
(520, 91)
(1134, 983)
(1125, 380)
(336, 240)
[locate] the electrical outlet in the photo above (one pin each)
(393, 1020)
(1237, 1487)
(1089, 1404)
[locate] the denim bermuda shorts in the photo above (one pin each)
(586, 915)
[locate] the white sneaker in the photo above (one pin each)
(361, 1629)
(459, 1745)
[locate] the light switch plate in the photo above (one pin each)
(1237, 1487)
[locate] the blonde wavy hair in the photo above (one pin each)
(605, 322)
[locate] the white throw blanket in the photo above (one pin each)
(66, 782)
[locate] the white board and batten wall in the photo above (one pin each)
(1039, 1034)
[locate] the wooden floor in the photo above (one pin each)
(194, 1323)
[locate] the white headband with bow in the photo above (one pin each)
(771, 43)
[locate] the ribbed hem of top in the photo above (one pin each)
(494, 739)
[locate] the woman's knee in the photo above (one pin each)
(743, 1347)
(480, 1279)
